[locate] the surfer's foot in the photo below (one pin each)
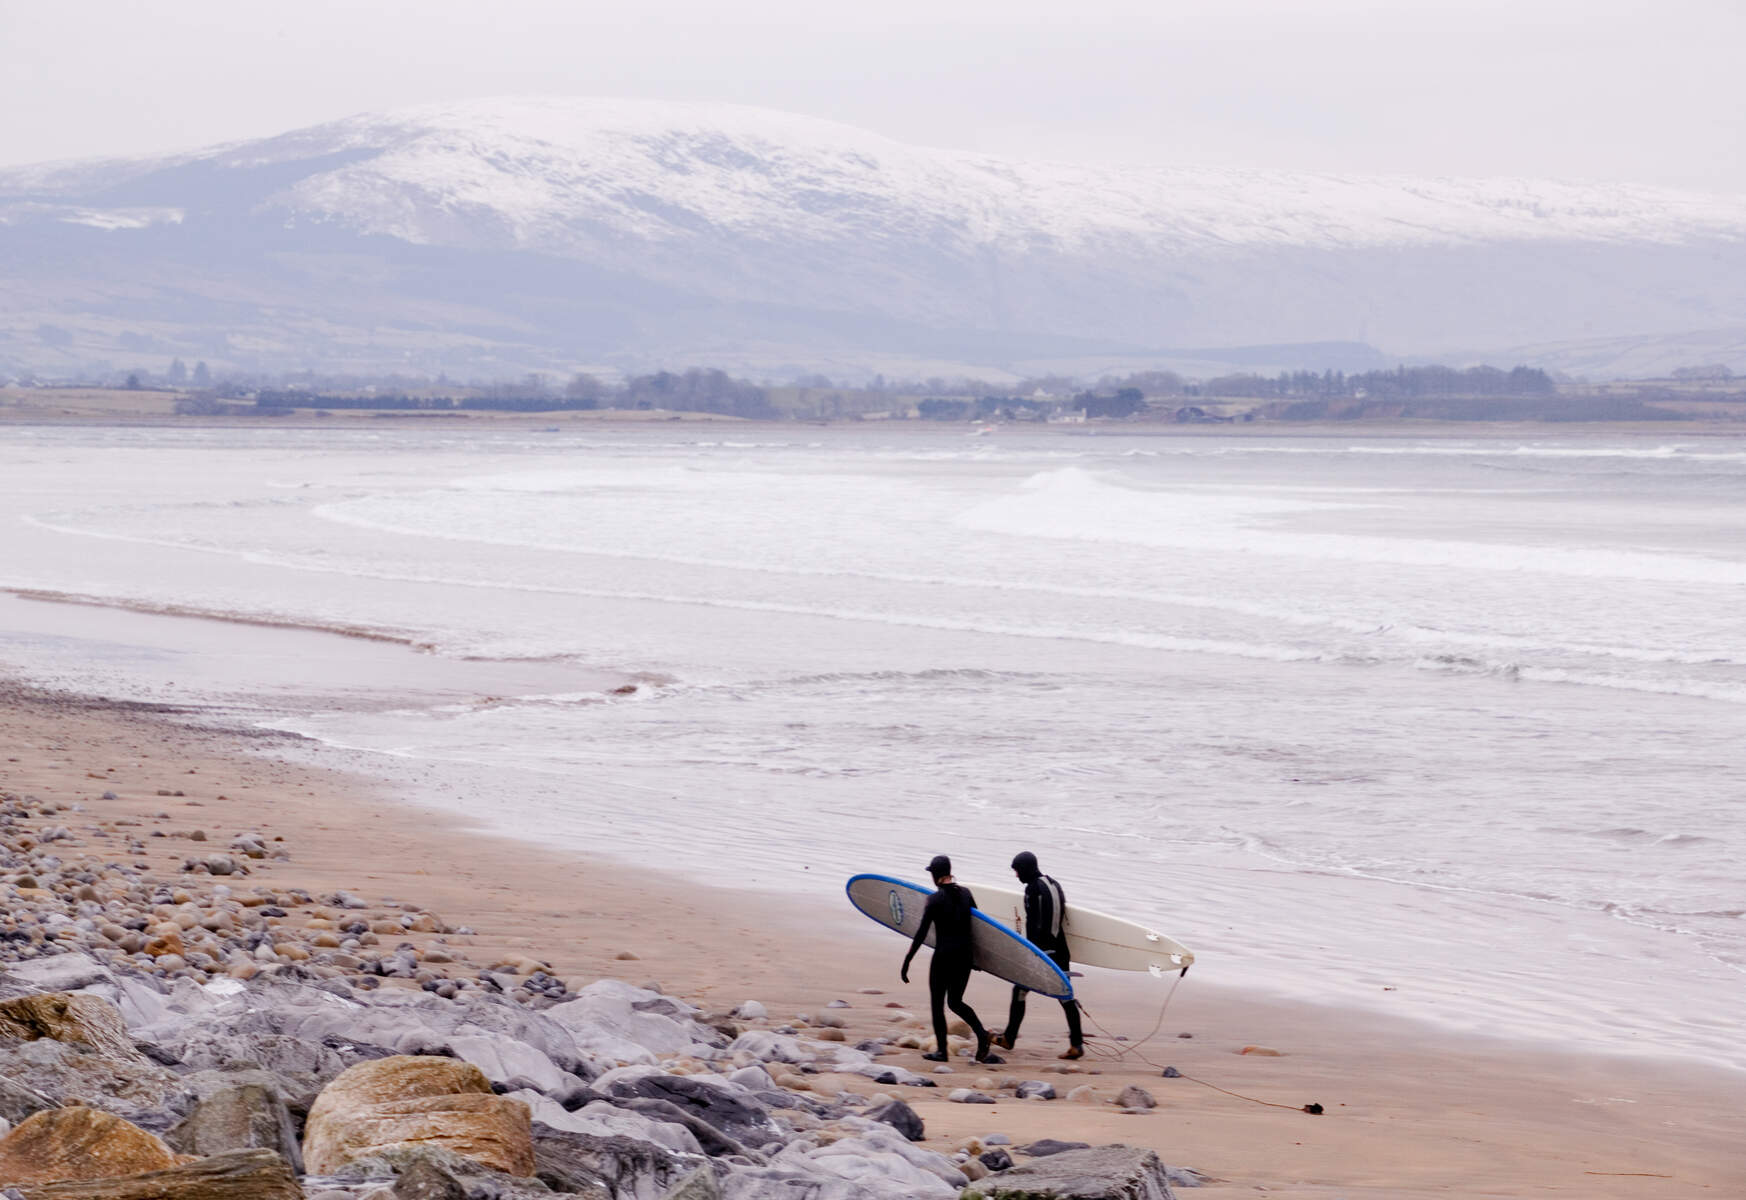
(935, 1056)
(1072, 1052)
(1001, 1040)
(983, 1054)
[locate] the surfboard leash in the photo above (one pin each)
(1116, 1052)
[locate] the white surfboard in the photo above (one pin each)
(1094, 939)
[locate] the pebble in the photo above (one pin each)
(1083, 1094)
(1135, 1097)
(968, 1096)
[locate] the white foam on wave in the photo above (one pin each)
(472, 645)
(1496, 450)
(355, 513)
(1073, 504)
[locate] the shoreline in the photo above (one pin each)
(49, 415)
(1410, 1110)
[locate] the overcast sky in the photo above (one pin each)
(1650, 91)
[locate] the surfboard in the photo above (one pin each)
(1095, 939)
(999, 950)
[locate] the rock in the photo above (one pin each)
(626, 956)
(503, 1058)
(380, 1177)
(62, 973)
(238, 1175)
(78, 1143)
(751, 1010)
(611, 1166)
(756, 1079)
(615, 1021)
(967, 1096)
(721, 1105)
(708, 1139)
(44, 1074)
(1045, 1147)
(699, 1185)
(1172, 1073)
(249, 1116)
(407, 1098)
(1136, 1097)
(75, 1018)
(1106, 1173)
(902, 1118)
(1263, 1051)
(995, 1159)
(424, 1180)
(1035, 1089)
(1083, 1094)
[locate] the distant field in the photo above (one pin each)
(112, 403)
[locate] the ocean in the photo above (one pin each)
(1445, 727)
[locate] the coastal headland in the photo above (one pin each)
(1407, 1111)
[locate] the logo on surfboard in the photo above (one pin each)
(896, 908)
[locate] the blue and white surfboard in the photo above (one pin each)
(1001, 951)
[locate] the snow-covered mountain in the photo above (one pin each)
(549, 234)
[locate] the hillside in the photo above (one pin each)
(495, 237)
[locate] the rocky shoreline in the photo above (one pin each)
(194, 1035)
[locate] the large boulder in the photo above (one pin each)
(626, 1167)
(46, 1073)
(503, 1059)
(78, 1143)
(58, 973)
(248, 1116)
(614, 1021)
(719, 1103)
(1098, 1173)
(405, 1099)
(238, 1175)
(878, 1153)
(71, 1017)
(602, 1119)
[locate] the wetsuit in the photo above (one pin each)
(947, 913)
(1045, 904)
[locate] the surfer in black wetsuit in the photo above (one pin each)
(1045, 906)
(947, 913)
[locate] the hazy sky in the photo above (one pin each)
(1650, 91)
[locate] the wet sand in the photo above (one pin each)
(1409, 1111)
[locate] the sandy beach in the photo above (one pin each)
(1409, 1111)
